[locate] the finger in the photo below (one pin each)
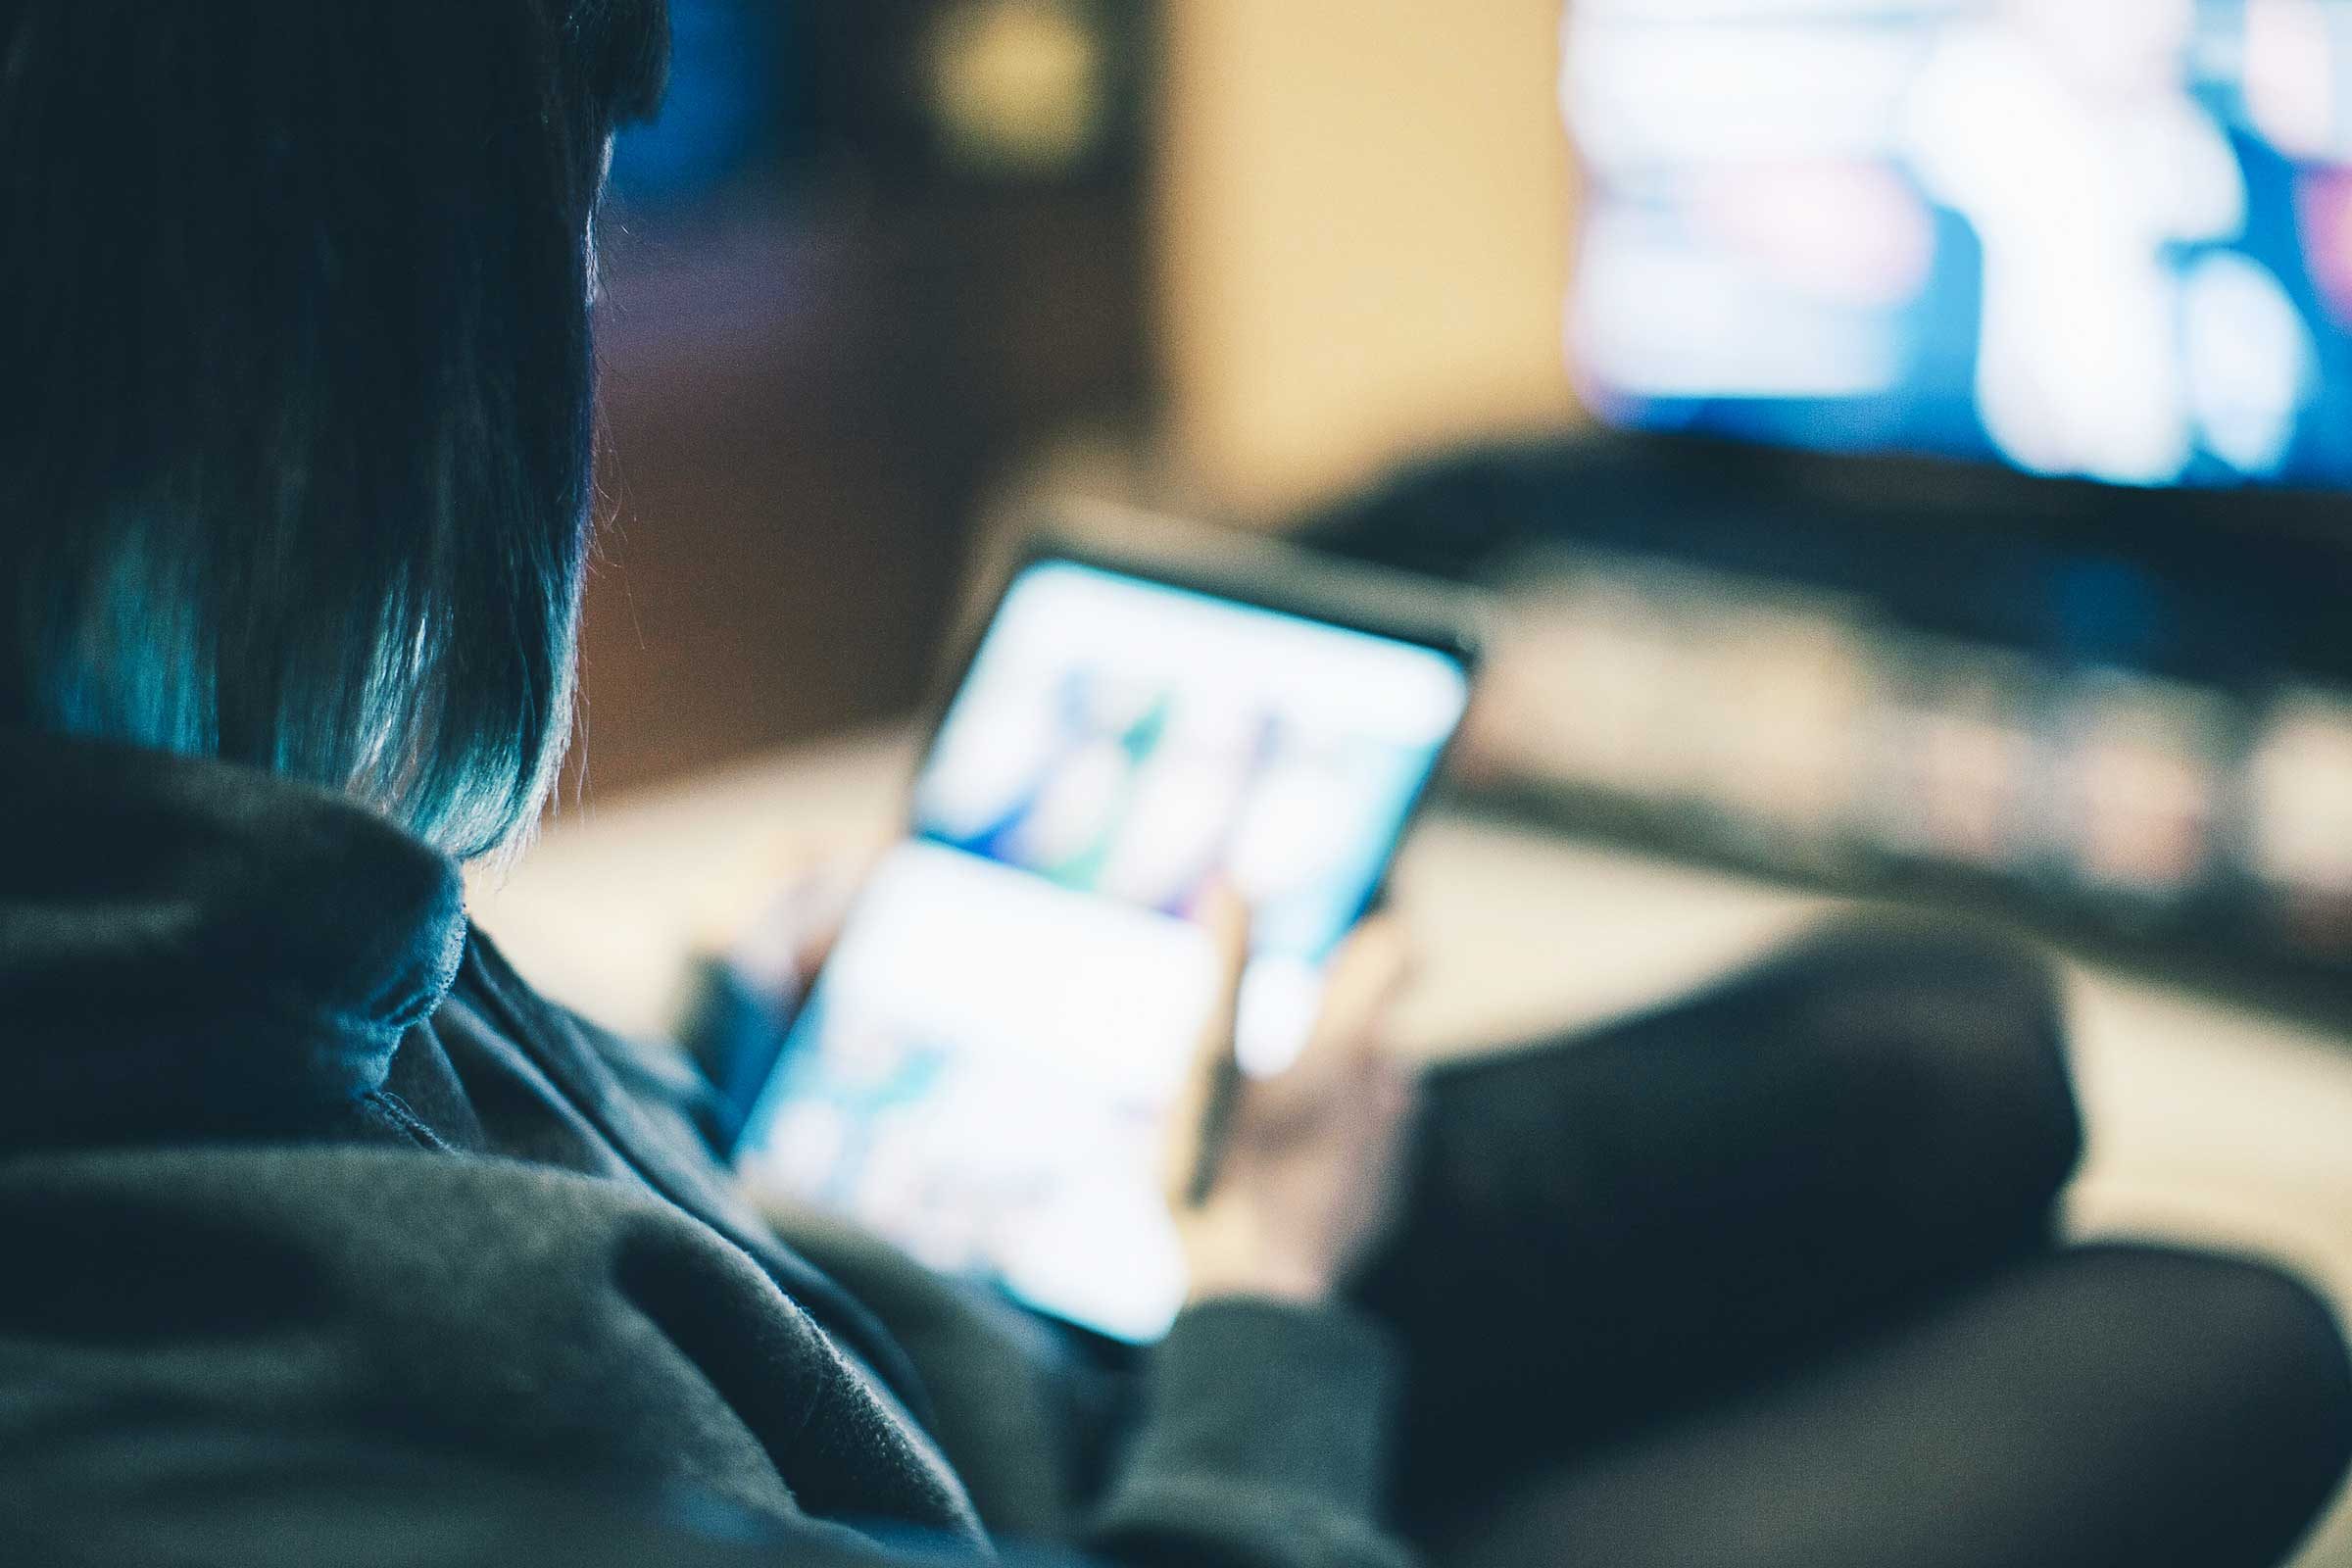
(790, 901)
(1394, 1092)
(1371, 971)
(830, 894)
(1348, 1042)
(1204, 1107)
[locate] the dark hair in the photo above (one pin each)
(295, 385)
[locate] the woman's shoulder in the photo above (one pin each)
(523, 1313)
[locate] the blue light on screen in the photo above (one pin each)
(2099, 238)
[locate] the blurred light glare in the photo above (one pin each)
(2301, 779)
(2250, 359)
(1019, 85)
(2324, 218)
(2294, 67)
(1637, 97)
(1659, 316)
(1846, 234)
(2045, 225)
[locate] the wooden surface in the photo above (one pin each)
(2208, 1123)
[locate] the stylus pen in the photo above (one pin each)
(1217, 1126)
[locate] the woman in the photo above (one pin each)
(329, 1240)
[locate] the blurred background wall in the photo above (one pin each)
(871, 252)
(1361, 235)
(882, 259)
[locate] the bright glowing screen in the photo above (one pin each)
(2100, 238)
(982, 1073)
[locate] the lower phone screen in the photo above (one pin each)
(981, 1077)
(984, 1071)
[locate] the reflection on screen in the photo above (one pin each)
(982, 1074)
(2106, 238)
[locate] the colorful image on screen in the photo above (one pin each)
(983, 1072)
(2099, 238)
(1126, 738)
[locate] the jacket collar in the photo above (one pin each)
(188, 947)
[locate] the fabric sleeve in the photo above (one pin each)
(1263, 1443)
(1277, 1473)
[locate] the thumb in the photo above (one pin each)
(1204, 1107)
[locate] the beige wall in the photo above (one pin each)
(1364, 236)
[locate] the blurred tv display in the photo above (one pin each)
(2106, 239)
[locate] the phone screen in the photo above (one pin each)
(982, 1072)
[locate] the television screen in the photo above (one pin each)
(2108, 239)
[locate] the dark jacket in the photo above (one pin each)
(321, 1234)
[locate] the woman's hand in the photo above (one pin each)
(1279, 1186)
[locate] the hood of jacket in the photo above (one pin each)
(188, 947)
